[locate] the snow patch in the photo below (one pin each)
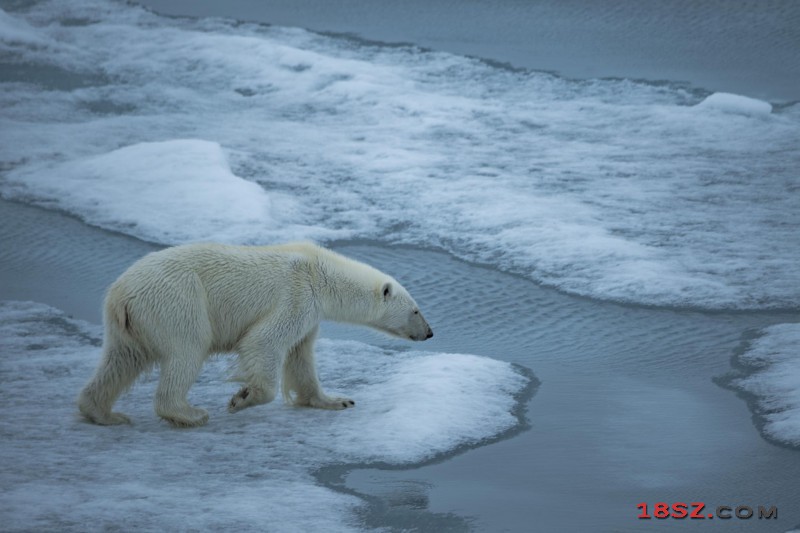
(169, 192)
(16, 31)
(736, 104)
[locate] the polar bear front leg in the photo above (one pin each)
(250, 395)
(259, 362)
(300, 378)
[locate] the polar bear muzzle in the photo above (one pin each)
(420, 325)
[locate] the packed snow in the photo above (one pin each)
(160, 191)
(735, 103)
(774, 359)
(613, 189)
(249, 471)
(14, 31)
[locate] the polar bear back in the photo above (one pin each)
(230, 287)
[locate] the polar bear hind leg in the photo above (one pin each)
(123, 361)
(300, 377)
(98, 396)
(179, 370)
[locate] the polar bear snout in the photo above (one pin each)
(425, 337)
(422, 331)
(428, 335)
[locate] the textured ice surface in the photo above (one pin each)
(249, 471)
(775, 381)
(171, 191)
(607, 188)
(734, 103)
(14, 31)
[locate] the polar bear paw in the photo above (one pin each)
(109, 419)
(187, 417)
(248, 396)
(115, 419)
(333, 403)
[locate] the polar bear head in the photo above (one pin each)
(398, 314)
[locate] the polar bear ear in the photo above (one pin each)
(386, 290)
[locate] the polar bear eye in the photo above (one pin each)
(416, 311)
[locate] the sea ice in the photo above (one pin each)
(250, 471)
(14, 31)
(735, 103)
(774, 359)
(171, 192)
(612, 189)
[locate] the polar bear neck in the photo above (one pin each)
(347, 290)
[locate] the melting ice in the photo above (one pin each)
(248, 471)
(775, 382)
(178, 130)
(618, 190)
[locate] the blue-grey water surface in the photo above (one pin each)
(626, 411)
(739, 46)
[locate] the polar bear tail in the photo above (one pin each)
(124, 359)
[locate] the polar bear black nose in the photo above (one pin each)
(430, 333)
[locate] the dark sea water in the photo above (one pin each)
(740, 46)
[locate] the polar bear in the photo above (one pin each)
(176, 307)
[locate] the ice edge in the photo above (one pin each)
(740, 370)
(375, 511)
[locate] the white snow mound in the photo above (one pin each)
(736, 104)
(170, 192)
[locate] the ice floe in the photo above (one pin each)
(250, 471)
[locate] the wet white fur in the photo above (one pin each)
(176, 307)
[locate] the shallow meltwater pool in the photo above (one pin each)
(622, 409)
